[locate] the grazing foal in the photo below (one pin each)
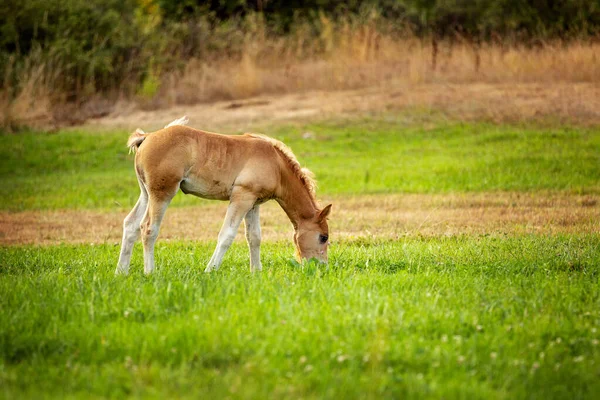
(247, 170)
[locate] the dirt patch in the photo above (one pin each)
(562, 102)
(383, 216)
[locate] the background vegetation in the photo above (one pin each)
(64, 61)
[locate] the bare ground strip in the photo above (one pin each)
(381, 216)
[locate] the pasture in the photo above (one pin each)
(502, 311)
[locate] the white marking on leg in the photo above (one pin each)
(235, 213)
(150, 228)
(131, 232)
(226, 238)
(253, 237)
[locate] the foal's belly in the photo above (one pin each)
(207, 189)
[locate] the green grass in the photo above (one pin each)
(460, 317)
(74, 169)
(467, 316)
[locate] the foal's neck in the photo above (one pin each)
(296, 200)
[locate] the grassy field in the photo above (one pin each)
(74, 169)
(474, 317)
(463, 316)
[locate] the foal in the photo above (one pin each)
(247, 170)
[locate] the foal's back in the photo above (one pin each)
(205, 164)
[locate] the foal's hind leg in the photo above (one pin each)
(239, 206)
(252, 221)
(157, 206)
(131, 231)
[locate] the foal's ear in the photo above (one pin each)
(324, 213)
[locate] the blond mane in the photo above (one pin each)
(304, 174)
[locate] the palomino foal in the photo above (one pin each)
(247, 170)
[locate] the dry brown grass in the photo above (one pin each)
(349, 56)
(381, 216)
(344, 56)
(31, 103)
(361, 61)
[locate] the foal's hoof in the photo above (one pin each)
(122, 272)
(208, 269)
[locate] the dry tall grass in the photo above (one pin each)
(342, 56)
(32, 102)
(365, 59)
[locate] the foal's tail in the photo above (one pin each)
(137, 137)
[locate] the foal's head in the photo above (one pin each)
(312, 237)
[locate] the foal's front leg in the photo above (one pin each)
(252, 221)
(237, 210)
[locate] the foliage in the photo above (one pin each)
(90, 42)
(99, 45)
(540, 19)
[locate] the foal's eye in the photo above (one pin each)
(323, 238)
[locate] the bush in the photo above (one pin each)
(103, 44)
